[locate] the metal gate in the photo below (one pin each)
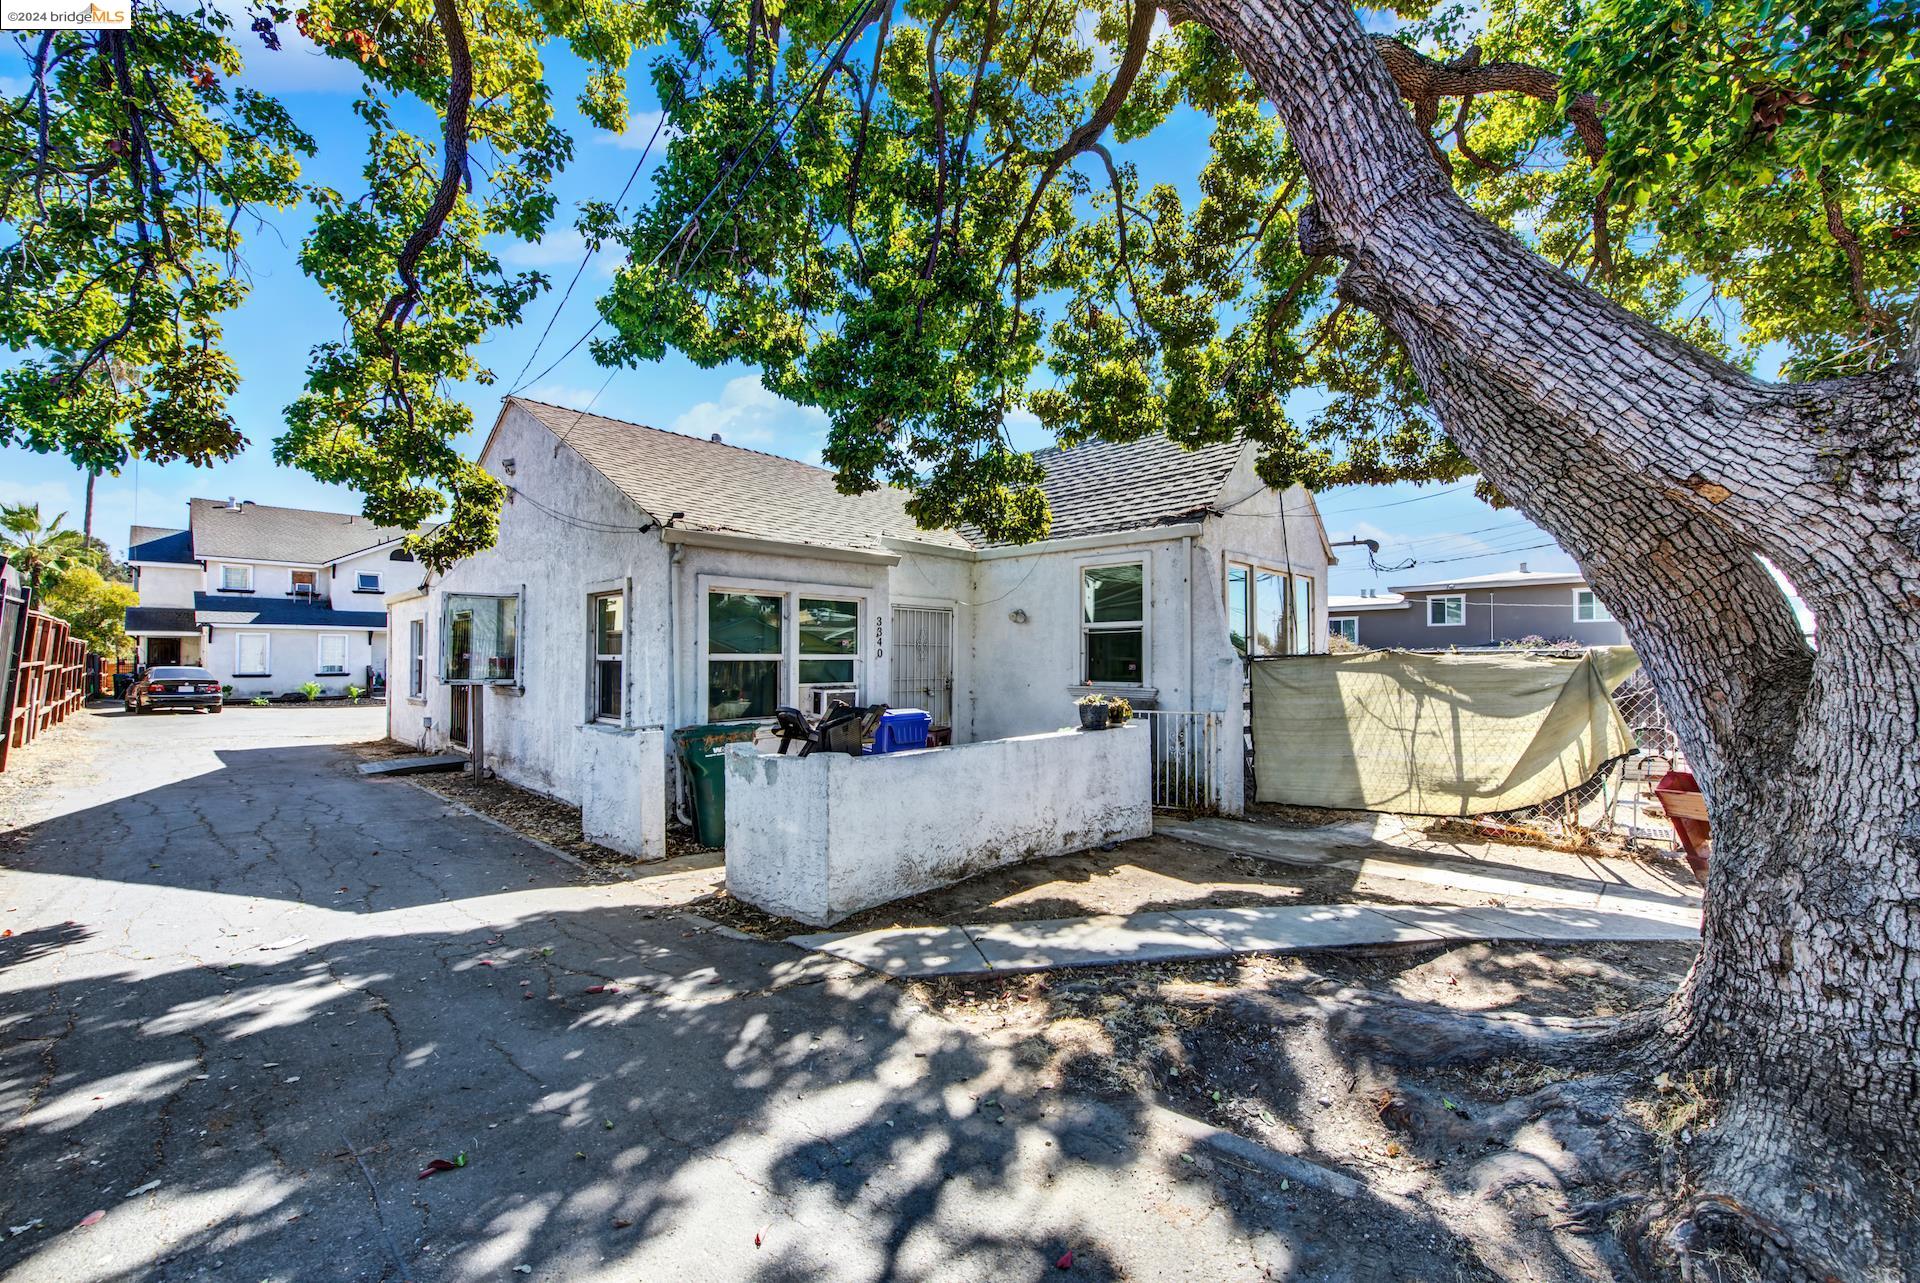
(1184, 767)
(923, 661)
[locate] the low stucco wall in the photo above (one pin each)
(821, 837)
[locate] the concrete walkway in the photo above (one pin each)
(1217, 933)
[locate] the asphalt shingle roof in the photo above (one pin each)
(730, 489)
(161, 619)
(258, 532)
(157, 543)
(1100, 486)
(212, 608)
(1092, 489)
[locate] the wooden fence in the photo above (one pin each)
(43, 670)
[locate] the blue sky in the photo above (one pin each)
(286, 314)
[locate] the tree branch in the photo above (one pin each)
(1139, 35)
(1424, 81)
(453, 164)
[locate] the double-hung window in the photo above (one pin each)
(744, 654)
(236, 579)
(1448, 611)
(608, 610)
(333, 654)
(1113, 624)
(1589, 609)
(417, 658)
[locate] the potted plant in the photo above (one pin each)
(1093, 712)
(1119, 711)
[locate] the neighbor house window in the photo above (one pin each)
(236, 578)
(1113, 624)
(305, 583)
(1589, 609)
(829, 641)
(417, 658)
(1349, 628)
(1446, 612)
(479, 637)
(367, 581)
(250, 655)
(743, 654)
(333, 653)
(608, 612)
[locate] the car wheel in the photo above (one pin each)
(216, 708)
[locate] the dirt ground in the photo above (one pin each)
(547, 819)
(1276, 1049)
(1147, 874)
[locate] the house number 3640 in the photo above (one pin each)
(879, 639)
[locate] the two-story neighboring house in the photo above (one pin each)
(1481, 610)
(268, 599)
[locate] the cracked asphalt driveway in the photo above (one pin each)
(249, 995)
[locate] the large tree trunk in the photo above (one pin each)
(1669, 475)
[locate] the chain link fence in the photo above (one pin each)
(1616, 806)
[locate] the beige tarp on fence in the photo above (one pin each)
(1455, 734)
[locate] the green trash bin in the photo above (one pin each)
(703, 752)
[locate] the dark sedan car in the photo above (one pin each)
(174, 688)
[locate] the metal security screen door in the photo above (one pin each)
(923, 661)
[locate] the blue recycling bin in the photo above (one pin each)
(901, 729)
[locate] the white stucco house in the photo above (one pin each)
(268, 599)
(646, 580)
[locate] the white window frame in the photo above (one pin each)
(595, 658)
(1289, 577)
(417, 658)
(227, 569)
(1144, 560)
(1347, 626)
(1597, 612)
(294, 585)
(1461, 622)
(320, 668)
(359, 578)
(266, 654)
(789, 655)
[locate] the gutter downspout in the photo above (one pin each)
(681, 816)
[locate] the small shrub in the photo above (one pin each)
(1119, 711)
(1095, 698)
(312, 690)
(259, 701)
(354, 692)
(227, 689)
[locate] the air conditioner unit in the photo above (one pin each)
(816, 700)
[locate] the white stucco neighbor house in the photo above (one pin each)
(268, 599)
(645, 580)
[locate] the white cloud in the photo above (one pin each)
(14, 86)
(748, 414)
(567, 394)
(297, 66)
(639, 130)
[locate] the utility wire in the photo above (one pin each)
(841, 34)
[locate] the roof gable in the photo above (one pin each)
(730, 489)
(259, 532)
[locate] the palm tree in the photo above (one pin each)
(37, 549)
